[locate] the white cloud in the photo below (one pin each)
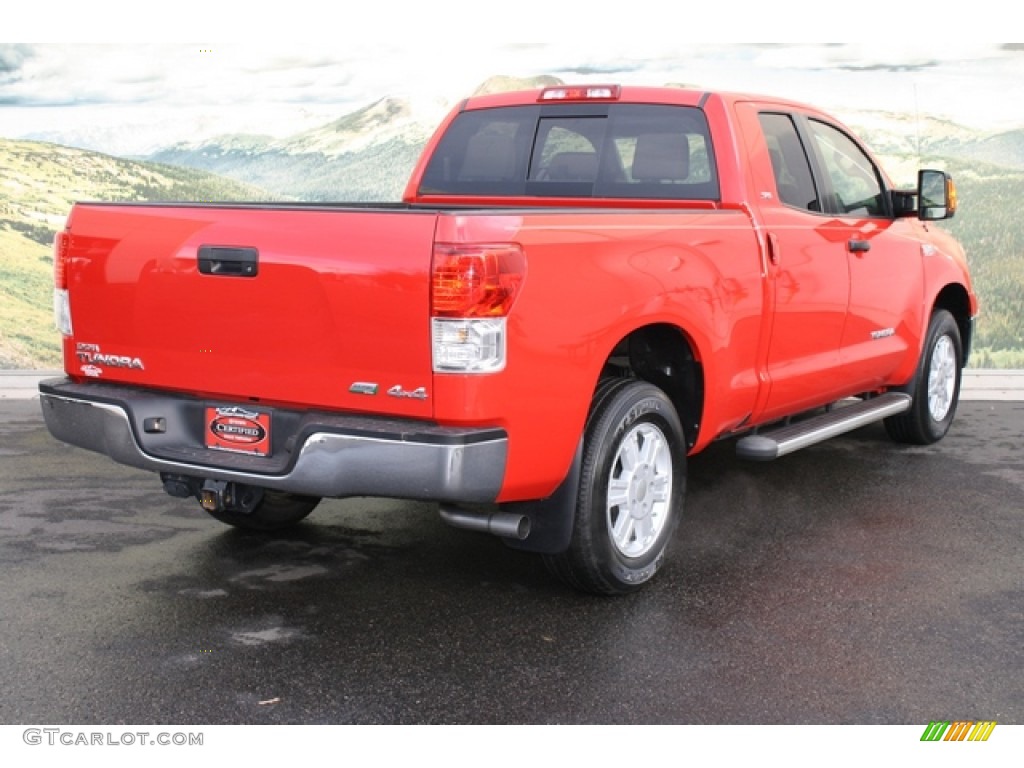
(131, 98)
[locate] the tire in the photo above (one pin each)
(935, 387)
(274, 512)
(632, 483)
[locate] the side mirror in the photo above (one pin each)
(936, 194)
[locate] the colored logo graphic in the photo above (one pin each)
(237, 429)
(958, 730)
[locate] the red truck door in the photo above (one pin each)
(807, 271)
(884, 321)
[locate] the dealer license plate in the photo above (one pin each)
(232, 428)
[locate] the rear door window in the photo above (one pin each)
(794, 181)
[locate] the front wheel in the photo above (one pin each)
(632, 482)
(935, 387)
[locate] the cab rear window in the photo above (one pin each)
(608, 151)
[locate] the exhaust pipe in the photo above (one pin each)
(503, 524)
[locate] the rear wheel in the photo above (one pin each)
(257, 509)
(935, 387)
(632, 483)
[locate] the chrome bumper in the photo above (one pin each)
(329, 455)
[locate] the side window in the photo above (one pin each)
(856, 185)
(793, 179)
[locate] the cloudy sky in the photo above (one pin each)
(132, 98)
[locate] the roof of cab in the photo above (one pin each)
(639, 94)
(635, 94)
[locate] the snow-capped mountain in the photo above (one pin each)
(366, 155)
(363, 156)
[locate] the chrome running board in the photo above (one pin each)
(773, 443)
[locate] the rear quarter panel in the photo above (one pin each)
(593, 278)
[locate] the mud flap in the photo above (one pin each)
(551, 519)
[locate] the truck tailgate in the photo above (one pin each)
(324, 306)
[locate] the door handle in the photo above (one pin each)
(773, 248)
(859, 246)
(228, 261)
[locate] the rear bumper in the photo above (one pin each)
(316, 453)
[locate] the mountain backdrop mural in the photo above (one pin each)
(367, 156)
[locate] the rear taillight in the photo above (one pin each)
(60, 260)
(475, 281)
(473, 288)
(61, 303)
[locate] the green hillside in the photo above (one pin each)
(28, 338)
(988, 225)
(38, 184)
(989, 173)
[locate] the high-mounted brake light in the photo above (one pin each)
(475, 280)
(580, 93)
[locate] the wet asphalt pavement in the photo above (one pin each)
(854, 582)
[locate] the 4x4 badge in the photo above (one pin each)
(420, 393)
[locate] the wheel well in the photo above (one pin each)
(662, 355)
(953, 298)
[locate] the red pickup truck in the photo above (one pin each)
(582, 287)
